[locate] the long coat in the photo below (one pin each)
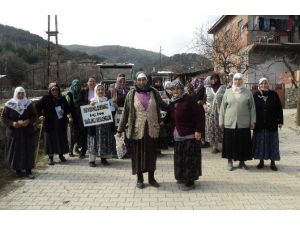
(20, 142)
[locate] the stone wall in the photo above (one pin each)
(291, 98)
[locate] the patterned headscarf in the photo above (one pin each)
(51, 86)
(155, 79)
(197, 84)
(177, 84)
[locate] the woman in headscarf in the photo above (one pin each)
(116, 96)
(18, 116)
(187, 122)
(55, 113)
(157, 83)
(100, 139)
(237, 117)
(86, 94)
(269, 116)
(140, 119)
(198, 90)
(214, 98)
(76, 129)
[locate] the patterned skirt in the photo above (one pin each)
(103, 143)
(237, 144)
(187, 160)
(266, 145)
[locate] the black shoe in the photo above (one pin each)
(273, 167)
(180, 181)
(92, 164)
(81, 156)
(71, 154)
(188, 186)
(62, 158)
(260, 165)
(104, 162)
(243, 165)
(154, 183)
(50, 161)
(19, 173)
(140, 185)
(29, 175)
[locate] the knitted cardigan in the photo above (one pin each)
(128, 117)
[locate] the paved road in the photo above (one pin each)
(75, 185)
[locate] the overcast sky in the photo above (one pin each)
(139, 24)
(145, 24)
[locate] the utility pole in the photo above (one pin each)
(298, 104)
(160, 57)
(54, 34)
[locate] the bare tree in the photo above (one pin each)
(224, 49)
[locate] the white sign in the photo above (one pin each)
(118, 116)
(98, 114)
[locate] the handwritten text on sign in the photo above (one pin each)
(98, 114)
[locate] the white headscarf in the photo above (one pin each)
(262, 80)
(236, 89)
(19, 105)
(96, 97)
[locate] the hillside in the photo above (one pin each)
(144, 59)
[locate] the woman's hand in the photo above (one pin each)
(25, 123)
(70, 118)
(197, 136)
(162, 123)
(92, 103)
(16, 125)
(221, 126)
(41, 118)
(280, 125)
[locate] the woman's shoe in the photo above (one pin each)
(105, 162)
(50, 161)
(62, 158)
(260, 165)
(92, 164)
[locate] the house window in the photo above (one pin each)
(240, 25)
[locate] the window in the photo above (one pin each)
(240, 29)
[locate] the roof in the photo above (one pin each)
(217, 24)
(116, 65)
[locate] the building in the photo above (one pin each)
(258, 46)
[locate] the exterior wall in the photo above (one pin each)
(262, 64)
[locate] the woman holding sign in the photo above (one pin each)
(54, 111)
(100, 139)
(141, 116)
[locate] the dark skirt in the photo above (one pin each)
(20, 148)
(266, 145)
(56, 141)
(143, 153)
(187, 160)
(237, 144)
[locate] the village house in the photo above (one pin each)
(265, 46)
(260, 46)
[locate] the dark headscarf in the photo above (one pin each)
(155, 79)
(217, 84)
(197, 84)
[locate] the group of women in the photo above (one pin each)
(208, 112)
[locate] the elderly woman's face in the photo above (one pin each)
(20, 95)
(55, 91)
(176, 91)
(91, 83)
(238, 82)
(213, 80)
(141, 82)
(264, 86)
(100, 91)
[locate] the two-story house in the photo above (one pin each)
(259, 46)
